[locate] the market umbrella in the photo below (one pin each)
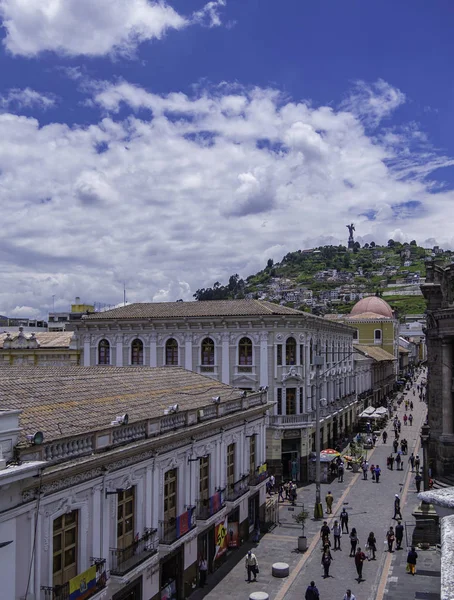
(330, 452)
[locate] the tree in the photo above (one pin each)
(413, 243)
(366, 245)
(270, 263)
(391, 243)
(372, 244)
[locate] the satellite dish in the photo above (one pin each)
(36, 439)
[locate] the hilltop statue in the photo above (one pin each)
(351, 241)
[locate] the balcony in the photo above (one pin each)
(172, 530)
(236, 490)
(90, 582)
(210, 506)
(291, 421)
(257, 478)
(122, 560)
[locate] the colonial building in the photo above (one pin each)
(248, 344)
(39, 348)
(438, 291)
(114, 482)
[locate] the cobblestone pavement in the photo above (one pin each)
(371, 508)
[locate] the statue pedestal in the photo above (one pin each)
(427, 528)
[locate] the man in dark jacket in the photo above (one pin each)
(344, 520)
(312, 592)
(397, 507)
(399, 535)
(411, 560)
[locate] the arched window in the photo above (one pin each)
(137, 352)
(103, 353)
(171, 352)
(290, 351)
(377, 336)
(245, 352)
(207, 352)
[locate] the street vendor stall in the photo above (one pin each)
(328, 467)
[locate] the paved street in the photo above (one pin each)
(370, 508)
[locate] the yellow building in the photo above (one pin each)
(39, 349)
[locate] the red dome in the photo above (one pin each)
(372, 304)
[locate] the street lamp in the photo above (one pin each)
(425, 437)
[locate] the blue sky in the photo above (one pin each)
(171, 145)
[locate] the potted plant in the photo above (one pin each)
(300, 518)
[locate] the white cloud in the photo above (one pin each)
(209, 14)
(201, 188)
(17, 99)
(84, 27)
(372, 103)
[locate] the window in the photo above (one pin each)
(207, 352)
(170, 495)
(104, 353)
(290, 351)
(172, 352)
(326, 352)
(245, 352)
(231, 465)
(125, 518)
(279, 354)
(377, 336)
(252, 455)
(204, 478)
(311, 353)
(65, 536)
(301, 401)
(356, 335)
(301, 354)
(279, 401)
(137, 352)
(332, 352)
(290, 401)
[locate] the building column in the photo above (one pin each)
(97, 520)
(87, 348)
(119, 353)
(188, 351)
(225, 367)
(148, 497)
(307, 376)
(446, 370)
(264, 358)
(153, 350)
(156, 474)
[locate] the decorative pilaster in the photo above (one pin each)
(225, 337)
(188, 351)
(119, 353)
(87, 347)
(153, 349)
(264, 358)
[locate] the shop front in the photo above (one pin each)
(133, 591)
(171, 584)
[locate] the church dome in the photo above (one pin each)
(372, 304)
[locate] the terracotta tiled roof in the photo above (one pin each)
(67, 401)
(209, 308)
(374, 352)
(46, 339)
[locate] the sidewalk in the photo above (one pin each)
(370, 508)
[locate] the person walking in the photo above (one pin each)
(353, 541)
(344, 520)
(340, 472)
(399, 465)
(312, 592)
(405, 418)
(360, 557)
(399, 535)
(377, 473)
(327, 559)
(395, 445)
(417, 463)
(337, 532)
(418, 480)
(397, 507)
(372, 545)
(349, 595)
(412, 557)
(365, 468)
(203, 570)
(384, 436)
(411, 460)
(252, 565)
(324, 533)
(372, 472)
(390, 461)
(390, 539)
(329, 503)
(281, 493)
(410, 419)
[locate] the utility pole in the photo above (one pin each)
(318, 508)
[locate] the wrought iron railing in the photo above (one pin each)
(171, 530)
(206, 508)
(235, 490)
(122, 560)
(256, 478)
(89, 583)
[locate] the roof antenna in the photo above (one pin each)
(124, 293)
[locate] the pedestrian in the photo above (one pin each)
(349, 595)
(410, 419)
(281, 493)
(353, 541)
(340, 472)
(372, 545)
(360, 557)
(418, 479)
(397, 507)
(203, 569)
(324, 532)
(417, 463)
(344, 520)
(411, 460)
(252, 565)
(329, 503)
(395, 445)
(286, 490)
(412, 557)
(385, 437)
(365, 468)
(372, 472)
(326, 561)
(390, 539)
(312, 592)
(399, 535)
(399, 465)
(377, 473)
(337, 532)
(390, 461)
(411, 406)
(272, 482)
(405, 418)
(399, 425)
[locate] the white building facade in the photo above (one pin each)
(248, 344)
